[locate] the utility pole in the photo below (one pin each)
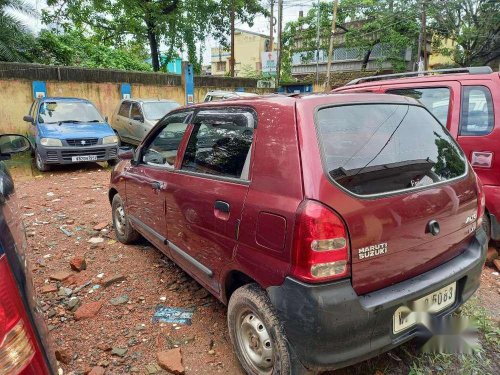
(317, 43)
(424, 33)
(280, 44)
(420, 37)
(231, 62)
(330, 49)
(271, 28)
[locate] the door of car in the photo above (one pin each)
(137, 128)
(147, 180)
(478, 136)
(205, 195)
(122, 118)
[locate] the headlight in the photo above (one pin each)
(51, 142)
(109, 140)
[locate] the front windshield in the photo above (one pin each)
(156, 110)
(51, 112)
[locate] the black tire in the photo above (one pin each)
(124, 231)
(40, 164)
(253, 322)
(112, 162)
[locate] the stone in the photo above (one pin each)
(88, 310)
(496, 263)
(152, 368)
(97, 370)
(88, 200)
(78, 263)
(96, 240)
(120, 352)
(119, 300)
(491, 255)
(111, 280)
(63, 356)
(65, 292)
(70, 222)
(73, 302)
(60, 275)
(50, 288)
(100, 226)
(171, 360)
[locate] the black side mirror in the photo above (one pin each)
(138, 118)
(106, 119)
(29, 119)
(125, 153)
(13, 144)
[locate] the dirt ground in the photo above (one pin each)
(60, 210)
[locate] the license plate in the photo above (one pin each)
(407, 316)
(84, 158)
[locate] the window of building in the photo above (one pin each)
(220, 66)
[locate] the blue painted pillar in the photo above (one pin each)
(188, 79)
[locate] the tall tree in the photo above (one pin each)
(472, 26)
(15, 37)
(176, 24)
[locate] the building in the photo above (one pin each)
(248, 46)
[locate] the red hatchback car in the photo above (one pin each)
(467, 102)
(322, 221)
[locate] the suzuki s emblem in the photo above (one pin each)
(83, 142)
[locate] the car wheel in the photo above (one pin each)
(124, 231)
(40, 164)
(258, 335)
(112, 162)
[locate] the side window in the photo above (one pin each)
(476, 117)
(162, 150)
(437, 100)
(136, 110)
(220, 143)
(124, 109)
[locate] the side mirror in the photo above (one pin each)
(125, 153)
(13, 144)
(29, 119)
(106, 119)
(138, 118)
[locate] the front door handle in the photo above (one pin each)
(222, 206)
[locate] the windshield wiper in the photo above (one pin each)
(94, 121)
(69, 121)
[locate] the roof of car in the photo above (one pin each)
(152, 100)
(238, 93)
(62, 98)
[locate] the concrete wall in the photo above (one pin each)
(16, 95)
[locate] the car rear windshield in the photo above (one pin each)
(382, 148)
(156, 110)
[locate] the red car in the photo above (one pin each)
(23, 346)
(467, 102)
(322, 221)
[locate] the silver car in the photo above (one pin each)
(134, 118)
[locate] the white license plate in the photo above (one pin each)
(84, 158)
(407, 316)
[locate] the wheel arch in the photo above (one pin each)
(111, 194)
(233, 280)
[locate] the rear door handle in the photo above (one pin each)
(158, 185)
(222, 206)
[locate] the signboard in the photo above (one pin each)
(189, 83)
(125, 90)
(269, 62)
(39, 89)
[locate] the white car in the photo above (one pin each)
(213, 96)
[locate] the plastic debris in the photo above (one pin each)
(178, 315)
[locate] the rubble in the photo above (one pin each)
(112, 280)
(88, 310)
(171, 360)
(60, 276)
(78, 263)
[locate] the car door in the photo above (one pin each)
(147, 179)
(206, 193)
(121, 120)
(137, 128)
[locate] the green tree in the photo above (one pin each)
(15, 37)
(74, 49)
(177, 24)
(472, 25)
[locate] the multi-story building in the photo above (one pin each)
(248, 47)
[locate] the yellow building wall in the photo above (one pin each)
(437, 59)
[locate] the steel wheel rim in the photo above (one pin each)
(255, 342)
(120, 220)
(38, 160)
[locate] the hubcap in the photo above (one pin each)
(120, 220)
(39, 161)
(255, 342)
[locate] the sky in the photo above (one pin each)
(291, 9)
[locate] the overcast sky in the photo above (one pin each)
(291, 9)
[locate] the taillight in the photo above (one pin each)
(481, 201)
(321, 244)
(16, 347)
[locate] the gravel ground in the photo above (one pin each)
(61, 210)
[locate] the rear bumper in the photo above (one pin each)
(329, 326)
(492, 194)
(63, 155)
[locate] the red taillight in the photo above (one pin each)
(16, 347)
(321, 244)
(481, 201)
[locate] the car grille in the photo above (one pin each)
(83, 142)
(52, 156)
(100, 152)
(112, 152)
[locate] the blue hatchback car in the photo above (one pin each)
(70, 130)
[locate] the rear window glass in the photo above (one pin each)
(382, 148)
(436, 99)
(477, 111)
